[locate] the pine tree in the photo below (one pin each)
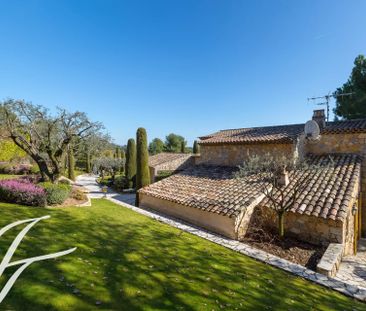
(131, 163)
(142, 163)
(196, 147)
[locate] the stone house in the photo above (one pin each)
(171, 162)
(328, 210)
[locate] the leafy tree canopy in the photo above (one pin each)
(173, 143)
(45, 137)
(156, 146)
(354, 106)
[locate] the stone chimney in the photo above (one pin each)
(282, 178)
(319, 117)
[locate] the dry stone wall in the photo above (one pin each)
(233, 155)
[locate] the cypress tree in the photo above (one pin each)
(130, 168)
(70, 164)
(196, 147)
(183, 146)
(142, 163)
(122, 157)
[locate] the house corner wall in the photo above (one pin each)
(345, 143)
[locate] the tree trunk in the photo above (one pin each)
(71, 163)
(43, 168)
(281, 224)
(88, 165)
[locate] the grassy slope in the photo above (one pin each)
(130, 262)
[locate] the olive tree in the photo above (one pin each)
(45, 137)
(274, 174)
(106, 165)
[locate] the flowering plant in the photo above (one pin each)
(22, 192)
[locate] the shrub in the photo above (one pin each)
(78, 194)
(22, 192)
(15, 169)
(163, 174)
(120, 183)
(56, 193)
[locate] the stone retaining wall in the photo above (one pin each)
(331, 259)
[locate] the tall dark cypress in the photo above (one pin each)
(196, 147)
(131, 163)
(142, 163)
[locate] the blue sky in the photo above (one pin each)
(188, 67)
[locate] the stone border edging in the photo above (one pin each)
(332, 283)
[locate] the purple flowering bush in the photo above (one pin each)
(22, 192)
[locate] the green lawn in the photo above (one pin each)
(130, 262)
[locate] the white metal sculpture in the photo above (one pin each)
(5, 263)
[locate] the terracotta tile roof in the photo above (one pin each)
(209, 188)
(165, 157)
(215, 189)
(328, 191)
(278, 134)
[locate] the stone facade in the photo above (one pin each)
(236, 154)
(177, 164)
(345, 143)
(312, 229)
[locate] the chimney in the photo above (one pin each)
(319, 117)
(282, 178)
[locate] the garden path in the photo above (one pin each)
(353, 268)
(95, 191)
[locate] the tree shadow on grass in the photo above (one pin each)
(126, 261)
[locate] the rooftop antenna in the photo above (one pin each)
(327, 100)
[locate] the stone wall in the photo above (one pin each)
(236, 154)
(306, 228)
(173, 165)
(311, 229)
(345, 143)
(178, 164)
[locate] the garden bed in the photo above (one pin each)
(291, 249)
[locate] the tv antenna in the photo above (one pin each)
(327, 99)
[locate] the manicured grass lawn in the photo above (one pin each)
(129, 262)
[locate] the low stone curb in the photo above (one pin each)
(333, 283)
